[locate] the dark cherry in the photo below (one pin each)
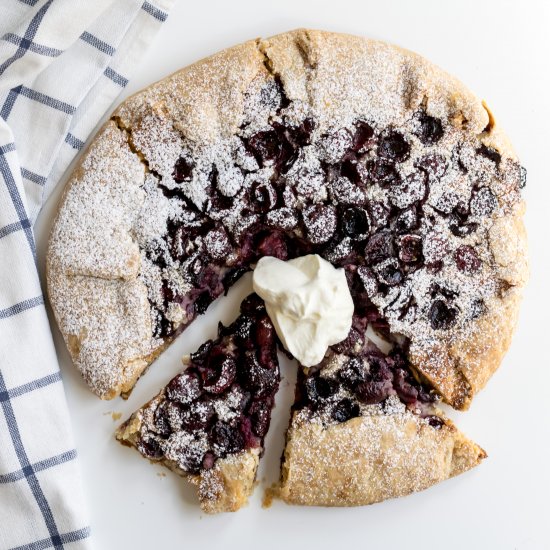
(183, 170)
(459, 229)
(243, 330)
(438, 290)
(273, 244)
(217, 244)
(162, 420)
(320, 222)
(353, 372)
(252, 306)
(184, 388)
(201, 355)
(379, 247)
(259, 412)
(349, 169)
(435, 421)
(226, 439)
(352, 345)
(483, 202)
(202, 302)
(390, 274)
(150, 447)
(430, 129)
(407, 220)
(208, 461)
(344, 410)
(362, 137)
(379, 214)
(410, 249)
(198, 416)
(266, 146)
(374, 391)
(256, 378)
(354, 222)
(225, 375)
(319, 388)
(442, 317)
(434, 165)
(264, 333)
(458, 223)
(466, 259)
(383, 173)
(490, 153)
(404, 386)
(393, 147)
(301, 135)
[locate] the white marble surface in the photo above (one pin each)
(498, 48)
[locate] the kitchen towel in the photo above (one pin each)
(62, 64)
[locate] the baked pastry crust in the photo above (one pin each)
(93, 259)
(224, 488)
(369, 459)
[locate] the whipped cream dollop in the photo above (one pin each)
(308, 302)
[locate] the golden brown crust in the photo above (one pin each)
(370, 459)
(224, 488)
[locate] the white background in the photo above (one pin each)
(498, 48)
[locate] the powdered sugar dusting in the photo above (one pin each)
(361, 124)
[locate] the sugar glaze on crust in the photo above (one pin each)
(101, 283)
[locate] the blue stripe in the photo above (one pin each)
(39, 466)
(17, 203)
(13, 227)
(33, 176)
(154, 11)
(47, 100)
(8, 148)
(30, 476)
(31, 386)
(97, 43)
(21, 306)
(10, 101)
(29, 35)
(31, 46)
(66, 538)
(117, 78)
(74, 142)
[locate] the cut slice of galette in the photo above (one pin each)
(208, 424)
(364, 429)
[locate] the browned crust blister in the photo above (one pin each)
(93, 265)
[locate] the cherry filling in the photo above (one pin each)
(369, 377)
(221, 404)
(390, 204)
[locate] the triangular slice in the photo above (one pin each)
(208, 424)
(363, 430)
